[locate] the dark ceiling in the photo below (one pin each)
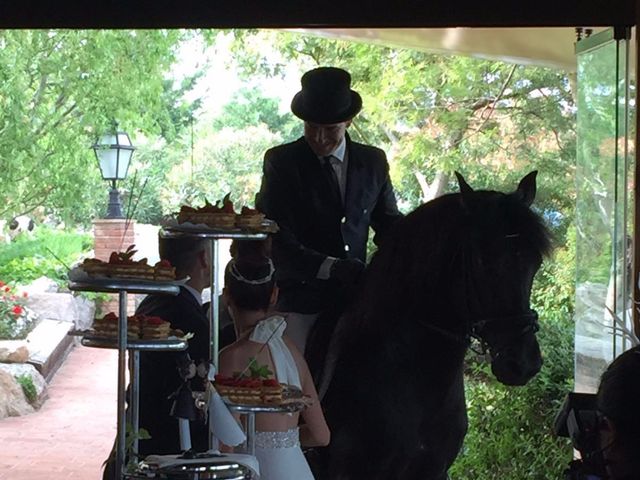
(304, 13)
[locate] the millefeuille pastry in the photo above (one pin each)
(249, 218)
(122, 265)
(138, 327)
(249, 391)
(210, 215)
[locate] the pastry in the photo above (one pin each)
(249, 218)
(138, 327)
(211, 215)
(271, 391)
(107, 326)
(122, 265)
(249, 391)
(164, 271)
(153, 328)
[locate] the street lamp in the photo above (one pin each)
(114, 152)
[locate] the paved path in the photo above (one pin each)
(72, 434)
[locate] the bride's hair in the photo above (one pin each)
(250, 282)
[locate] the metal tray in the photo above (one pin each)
(294, 402)
(115, 285)
(267, 227)
(91, 340)
(195, 469)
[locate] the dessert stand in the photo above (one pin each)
(214, 235)
(249, 412)
(122, 287)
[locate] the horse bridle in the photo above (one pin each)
(474, 331)
(524, 323)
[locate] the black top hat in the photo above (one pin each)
(326, 97)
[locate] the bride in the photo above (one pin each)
(250, 293)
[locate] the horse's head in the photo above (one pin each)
(504, 246)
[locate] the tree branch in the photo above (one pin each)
(496, 99)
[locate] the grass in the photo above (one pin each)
(29, 389)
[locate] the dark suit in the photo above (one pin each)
(297, 193)
(159, 376)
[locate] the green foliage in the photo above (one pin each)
(250, 108)
(554, 287)
(29, 389)
(511, 428)
(16, 321)
(258, 371)
(435, 114)
(47, 252)
(58, 91)
(130, 439)
(225, 161)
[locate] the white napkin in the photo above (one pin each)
(222, 424)
(271, 330)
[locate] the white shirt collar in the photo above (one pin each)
(196, 294)
(339, 151)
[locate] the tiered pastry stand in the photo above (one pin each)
(249, 411)
(122, 288)
(214, 236)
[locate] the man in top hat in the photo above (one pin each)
(324, 191)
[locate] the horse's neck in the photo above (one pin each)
(431, 356)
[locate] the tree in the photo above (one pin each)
(435, 114)
(58, 91)
(226, 161)
(249, 107)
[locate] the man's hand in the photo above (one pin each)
(347, 271)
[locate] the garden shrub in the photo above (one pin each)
(511, 428)
(29, 257)
(29, 389)
(16, 320)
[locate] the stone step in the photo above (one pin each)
(49, 345)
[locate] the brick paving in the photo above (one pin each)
(72, 434)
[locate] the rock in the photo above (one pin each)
(41, 285)
(13, 351)
(49, 345)
(85, 310)
(54, 306)
(13, 402)
(20, 369)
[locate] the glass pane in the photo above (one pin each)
(123, 162)
(108, 161)
(603, 211)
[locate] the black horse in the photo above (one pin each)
(457, 268)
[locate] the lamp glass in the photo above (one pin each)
(123, 162)
(114, 152)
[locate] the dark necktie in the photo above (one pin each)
(331, 176)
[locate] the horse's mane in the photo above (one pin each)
(425, 250)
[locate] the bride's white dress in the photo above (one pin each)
(279, 453)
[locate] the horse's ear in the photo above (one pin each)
(465, 189)
(527, 188)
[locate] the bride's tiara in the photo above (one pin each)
(235, 273)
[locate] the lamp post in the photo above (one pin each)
(113, 152)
